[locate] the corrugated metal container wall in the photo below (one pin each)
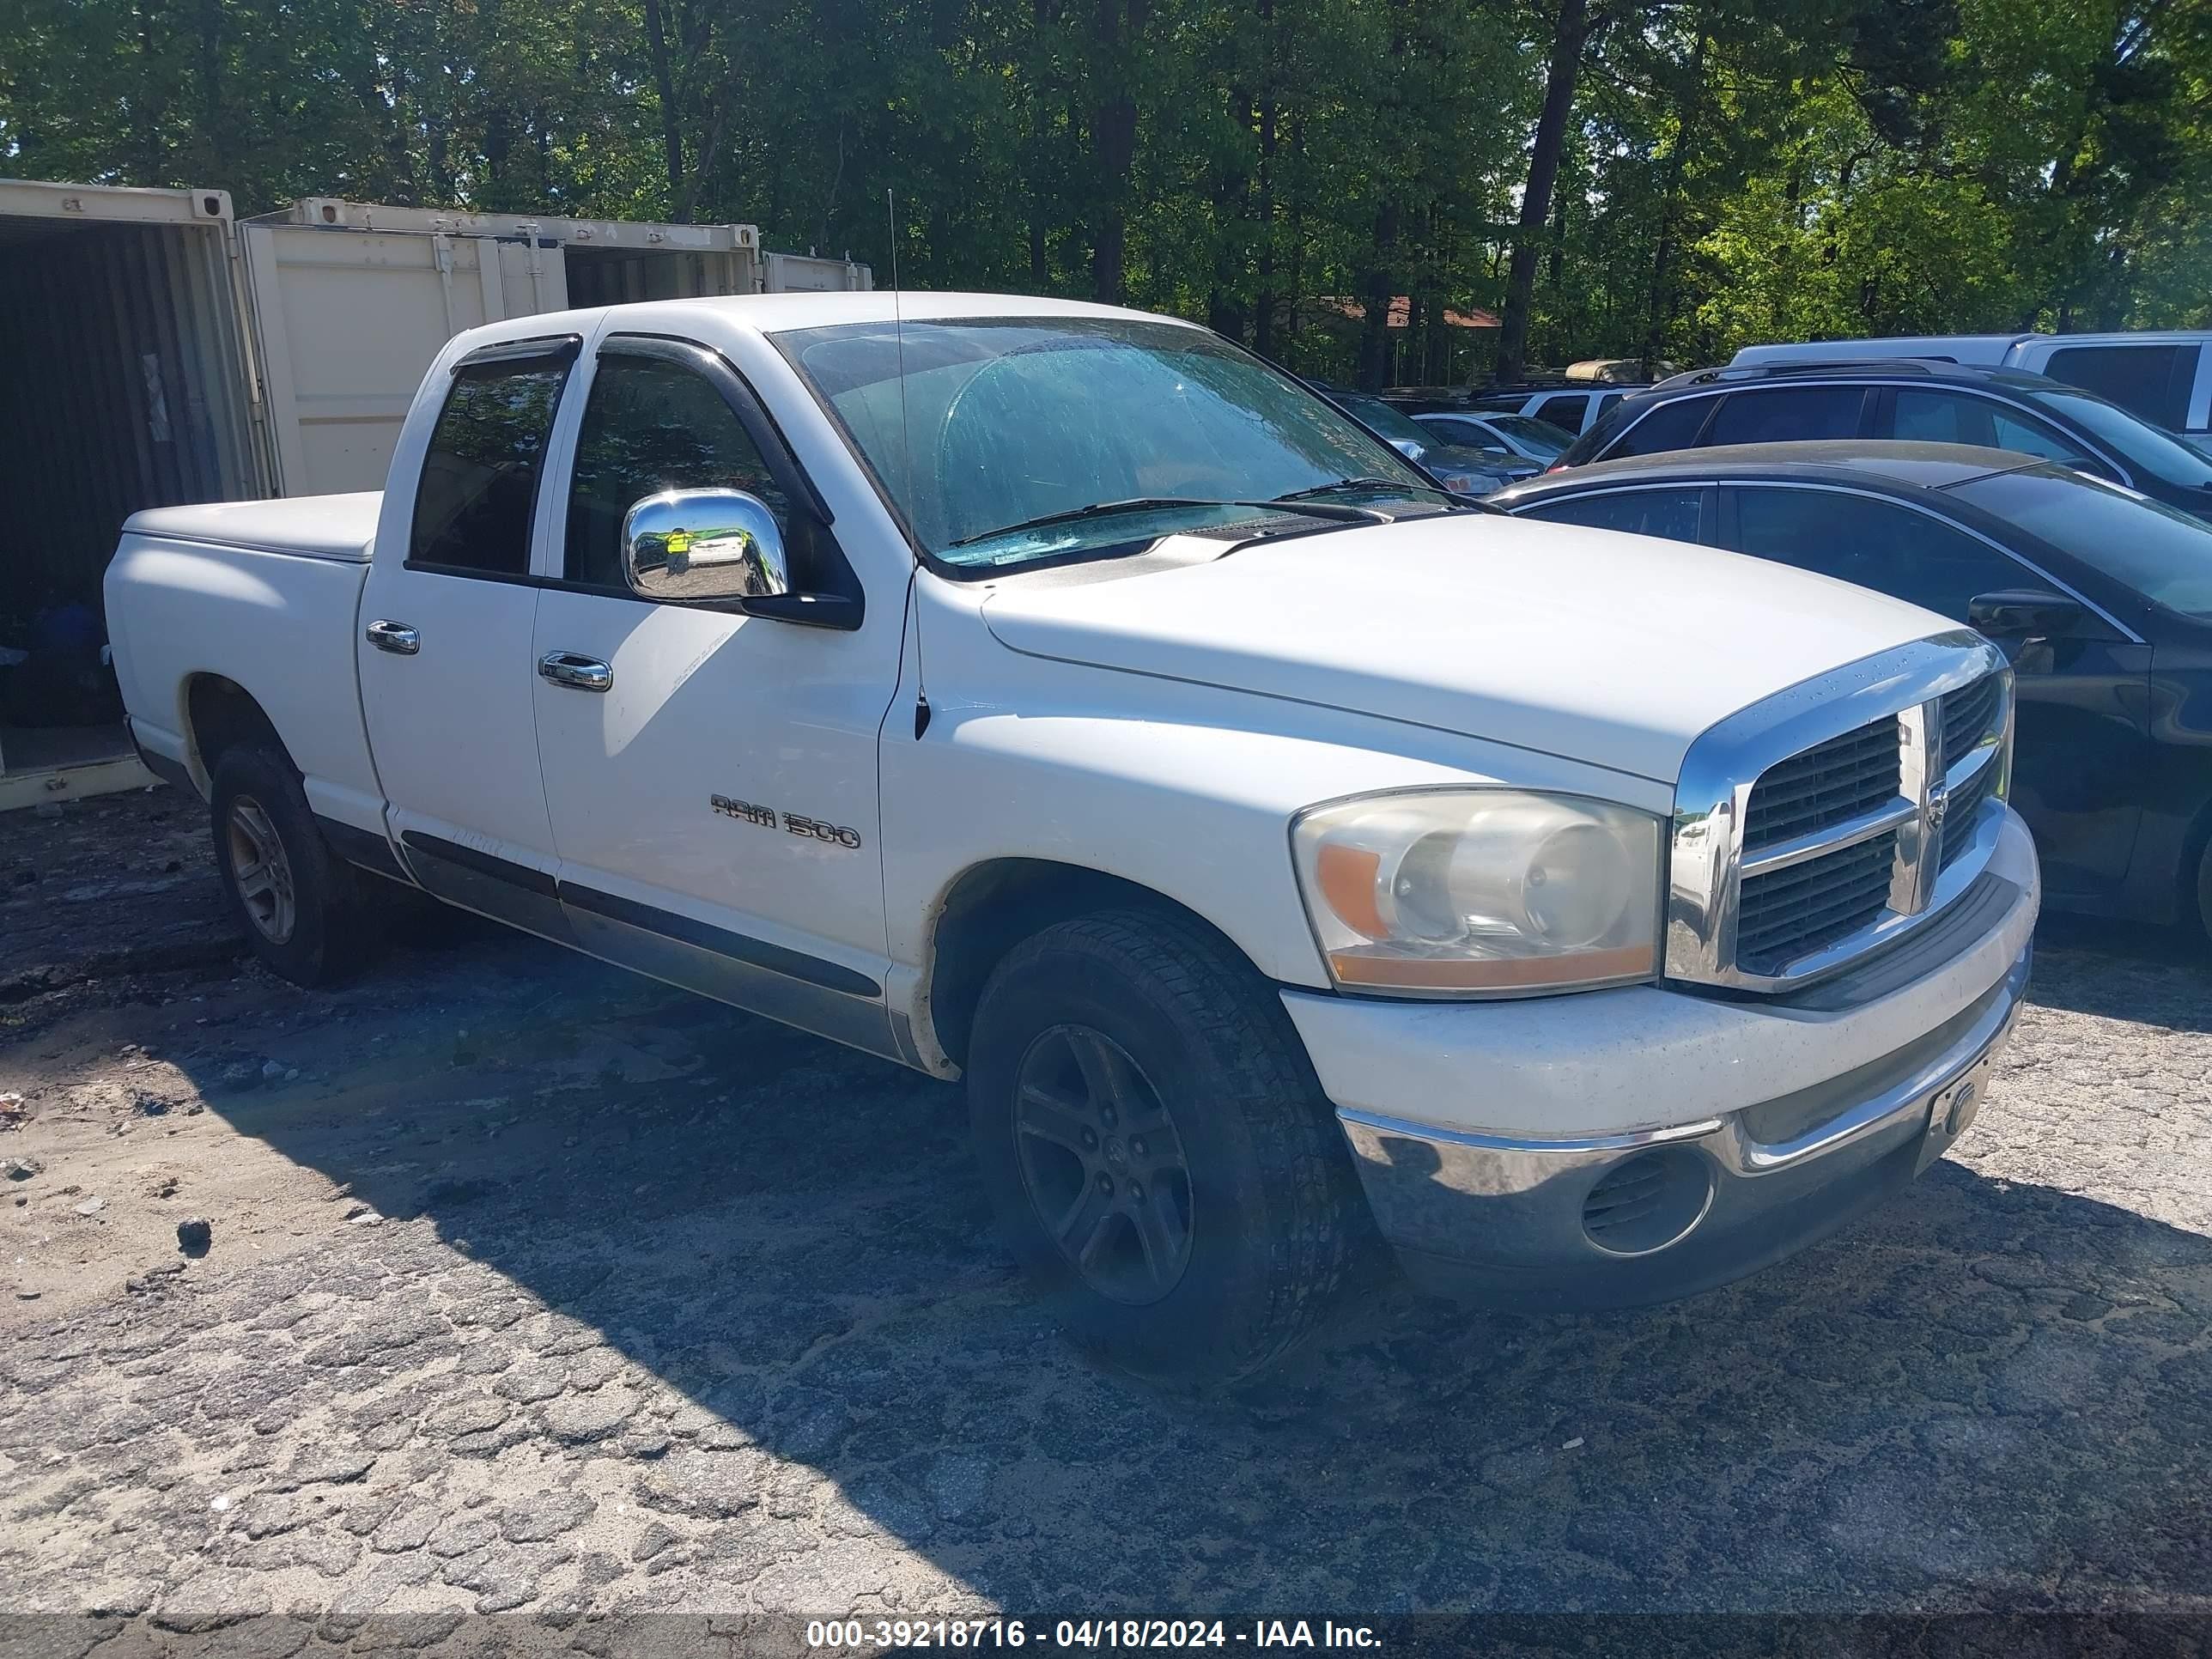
(613, 276)
(119, 389)
(807, 273)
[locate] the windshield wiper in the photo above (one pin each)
(1342, 484)
(1097, 509)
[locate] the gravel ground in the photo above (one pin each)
(535, 1287)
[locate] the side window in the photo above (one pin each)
(650, 425)
(1942, 417)
(1892, 549)
(1671, 426)
(1777, 415)
(1960, 418)
(2154, 380)
(479, 482)
(1564, 410)
(1465, 433)
(1672, 513)
(2013, 430)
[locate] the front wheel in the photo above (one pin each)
(1156, 1148)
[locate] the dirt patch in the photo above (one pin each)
(103, 891)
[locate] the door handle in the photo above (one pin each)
(578, 673)
(398, 638)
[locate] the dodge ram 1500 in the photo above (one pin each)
(1064, 700)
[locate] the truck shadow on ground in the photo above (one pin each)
(1991, 1393)
(2120, 971)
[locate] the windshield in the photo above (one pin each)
(994, 423)
(2162, 554)
(1393, 423)
(2150, 448)
(1541, 437)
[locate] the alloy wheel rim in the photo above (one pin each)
(260, 871)
(1103, 1164)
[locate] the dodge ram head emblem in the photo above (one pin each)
(1939, 803)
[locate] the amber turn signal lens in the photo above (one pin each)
(1346, 876)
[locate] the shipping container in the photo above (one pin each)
(155, 349)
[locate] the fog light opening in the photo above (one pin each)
(1649, 1202)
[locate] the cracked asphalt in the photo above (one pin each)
(536, 1288)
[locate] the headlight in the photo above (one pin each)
(1481, 891)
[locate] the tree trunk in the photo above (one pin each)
(1114, 146)
(213, 124)
(1264, 301)
(1040, 255)
(1661, 309)
(1567, 40)
(1375, 295)
(664, 84)
(687, 200)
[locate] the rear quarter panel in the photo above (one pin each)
(279, 625)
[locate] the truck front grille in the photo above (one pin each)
(1828, 784)
(1788, 914)
(1789, 862)
(1965, 805)
(1968, 714)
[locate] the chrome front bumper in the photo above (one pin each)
(1629, 1219)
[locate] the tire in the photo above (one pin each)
(1110, 1022)
(303, 908)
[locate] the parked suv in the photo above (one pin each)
(1572, 409)
(2163, 376)
(1917, 401)
(1464, 468)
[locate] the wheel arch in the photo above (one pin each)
(2187, 886)
(219, 715)
(991, 907)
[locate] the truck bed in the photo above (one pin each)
(262, 596)
(317, 526)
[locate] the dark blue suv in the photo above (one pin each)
(1912, 400)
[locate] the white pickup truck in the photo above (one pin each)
(1061, 698)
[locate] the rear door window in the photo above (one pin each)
(1775, 414)
(1894, 549)
(1649, 432)
(1961, 418)
(2153, 380)
(479, 486)
(1564, 410)
(1468, 434)
(1674, 514)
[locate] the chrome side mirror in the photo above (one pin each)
(695, 546)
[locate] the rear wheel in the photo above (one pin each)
(302, 906)
(1156, 1148)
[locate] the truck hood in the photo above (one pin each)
(1611, 649)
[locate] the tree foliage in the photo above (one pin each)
(1726, 170)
